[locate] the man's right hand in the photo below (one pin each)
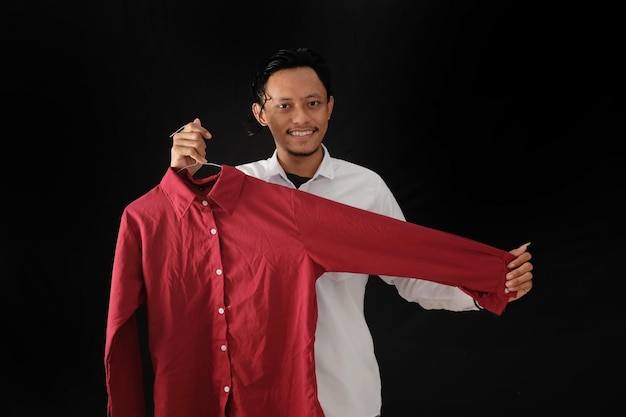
(189, 147)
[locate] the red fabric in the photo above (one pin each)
(260, 266)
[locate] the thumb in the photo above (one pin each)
(520, 250)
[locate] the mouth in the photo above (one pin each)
(300, 133)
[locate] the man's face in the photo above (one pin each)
(297, 111)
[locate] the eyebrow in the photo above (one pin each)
(312, 95)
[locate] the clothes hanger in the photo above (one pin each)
(213, 164)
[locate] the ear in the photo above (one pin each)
(331, 105)
(259, 115)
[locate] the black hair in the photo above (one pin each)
(283, 59)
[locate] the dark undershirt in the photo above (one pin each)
(297, 180)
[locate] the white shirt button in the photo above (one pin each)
(213, 231)
(220, 310)
(226, 388)
(205, 203)
(223, 347)
(218, 271)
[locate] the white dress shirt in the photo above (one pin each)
(348, 376)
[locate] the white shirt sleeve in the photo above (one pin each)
(429, 295)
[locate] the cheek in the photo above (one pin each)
(322, 119)
(271, 121)
(278, 119)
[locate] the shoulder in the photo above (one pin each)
(344, 168)
(258, 169)
(365, 188)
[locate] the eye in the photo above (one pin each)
(283, 106)
(314, 103)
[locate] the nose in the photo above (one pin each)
(299, 115)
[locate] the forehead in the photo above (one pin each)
(293, 83)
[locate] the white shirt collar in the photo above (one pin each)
(325, 169)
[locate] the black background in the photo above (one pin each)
(498, 120)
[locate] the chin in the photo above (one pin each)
(303, 150)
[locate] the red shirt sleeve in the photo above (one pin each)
(343, 238)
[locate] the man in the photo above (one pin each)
(292, 96)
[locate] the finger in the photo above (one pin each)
(520, 250)
(193, 148)
(522, 256)
(196, 126)
(514, 273)
(519, 261)
(199, 158)
(189, 138)
(521, 282)
(521, 292)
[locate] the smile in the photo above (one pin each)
(302, 133)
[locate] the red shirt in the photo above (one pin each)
(227, 266)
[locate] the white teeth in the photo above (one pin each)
(306, 132)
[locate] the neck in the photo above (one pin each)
(301, 165)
